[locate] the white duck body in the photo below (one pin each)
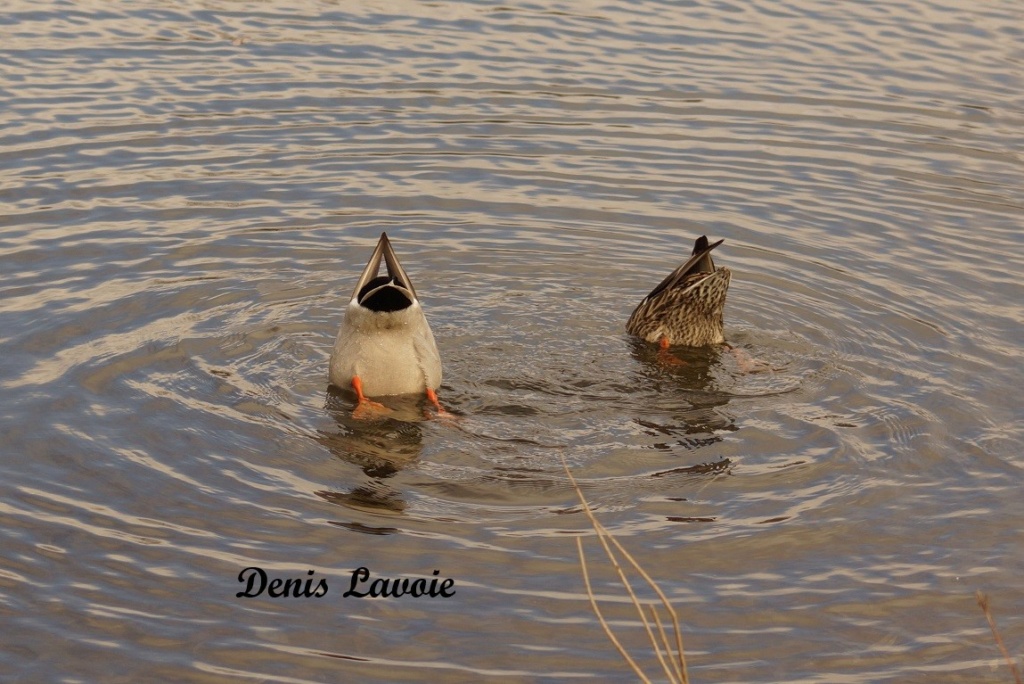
(385, 339)
(391, 352)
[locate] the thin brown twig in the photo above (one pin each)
(677, 663)
(603, 535)
(604, 624)
(664, 600)
(983, 603)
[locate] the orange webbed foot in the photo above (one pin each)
(432, 398)
(665, 357)
(747, 363)
(366, 408)
(369, 409)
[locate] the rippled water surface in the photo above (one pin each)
(189, 191)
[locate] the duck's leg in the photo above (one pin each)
(365, 407)
(665, 357)
(432, 398)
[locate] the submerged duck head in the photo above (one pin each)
(686, 308)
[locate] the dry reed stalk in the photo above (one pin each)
(604, 624)
(674, 664)
(983, 603)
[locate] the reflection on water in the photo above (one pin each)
(691, 368)
(186, 192)
(685, 374)
(374, 496)
(379, 446)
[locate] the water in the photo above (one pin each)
(188, 194)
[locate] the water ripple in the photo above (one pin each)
(189, 194)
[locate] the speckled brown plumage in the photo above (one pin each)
(686, 307)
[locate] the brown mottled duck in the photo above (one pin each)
(686, 307)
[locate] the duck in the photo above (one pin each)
(385, 346)
(686, 308)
